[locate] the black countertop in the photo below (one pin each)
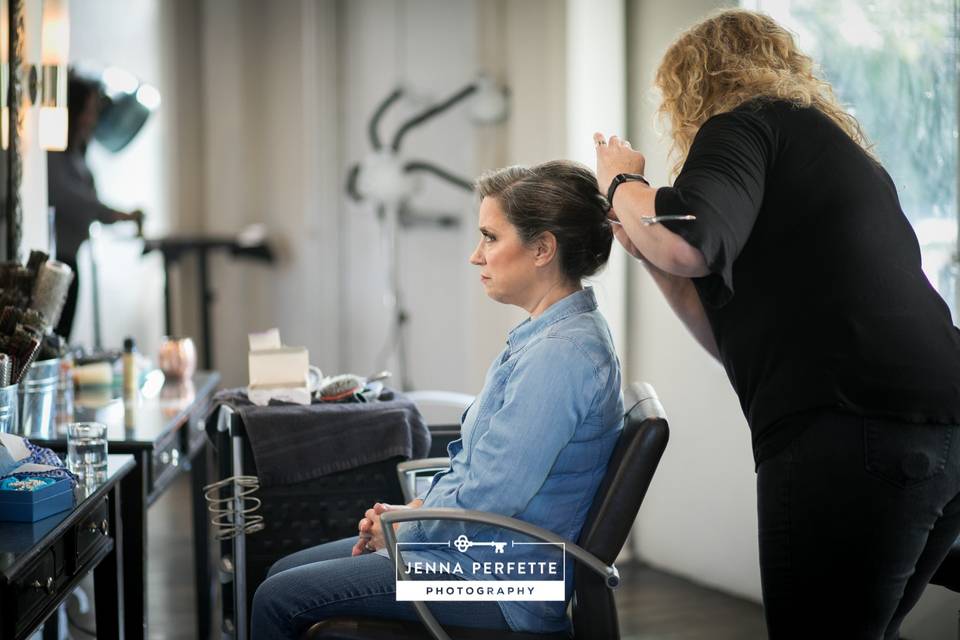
(141, 422)
(20, 542)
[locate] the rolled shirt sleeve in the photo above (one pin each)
(722, 184)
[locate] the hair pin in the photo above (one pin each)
(649, 220)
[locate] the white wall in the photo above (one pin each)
(282, 122)
(267, 115)
(699, 517)
(428, 48)
(523, 44)
(596, 101)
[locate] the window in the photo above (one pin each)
(894, 64)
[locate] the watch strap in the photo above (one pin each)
(619, 179)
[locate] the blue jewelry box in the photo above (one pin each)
(53, 496)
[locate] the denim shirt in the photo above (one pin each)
(534, 446)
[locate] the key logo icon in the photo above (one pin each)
(462, 543)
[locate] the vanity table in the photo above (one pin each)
(165, 434)
(41, 562)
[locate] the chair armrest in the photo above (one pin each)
(388, 518)
(406, 471)
(609, 573)
(424, 464)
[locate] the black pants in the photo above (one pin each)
(65, 325)
(855, 517)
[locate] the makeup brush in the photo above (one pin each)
(9, 318)
(7, 269)
(6, 370)
(24, 348)
(36, 259)
(33, 321)
(50, 290)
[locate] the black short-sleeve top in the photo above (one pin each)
(815, 294)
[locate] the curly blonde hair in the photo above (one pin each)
(733, 57)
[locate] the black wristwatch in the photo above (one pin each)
(619, 179)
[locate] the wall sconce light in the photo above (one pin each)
(54, 56)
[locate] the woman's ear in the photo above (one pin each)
(545, 249)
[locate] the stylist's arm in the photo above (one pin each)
(634, 200)
(669, 259)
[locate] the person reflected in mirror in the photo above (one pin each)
(72, 190)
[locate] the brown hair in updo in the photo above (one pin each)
(561, 197)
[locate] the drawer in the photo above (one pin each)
(38, 587)
(91, 531)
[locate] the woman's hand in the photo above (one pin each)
(615, 156)
(371, 529)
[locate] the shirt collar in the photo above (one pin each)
(578, 302)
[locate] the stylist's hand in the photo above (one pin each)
(615, 156)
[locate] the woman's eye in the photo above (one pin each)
(488, 238)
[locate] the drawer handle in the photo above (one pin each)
(171, 457)
(48, 586)
(103, 527)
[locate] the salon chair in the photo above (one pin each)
(611, 516)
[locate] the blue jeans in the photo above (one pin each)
(327, 582)
(855, 516)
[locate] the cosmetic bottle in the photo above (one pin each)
(130, 373)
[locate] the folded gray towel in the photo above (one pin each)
(293, 443)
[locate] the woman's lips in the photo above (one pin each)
(484, 278)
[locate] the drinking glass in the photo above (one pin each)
(87, 451)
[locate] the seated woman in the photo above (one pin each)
(535, 443)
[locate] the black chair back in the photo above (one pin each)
(629, 472)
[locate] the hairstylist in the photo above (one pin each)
(802, 276)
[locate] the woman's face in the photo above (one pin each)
(508, 268)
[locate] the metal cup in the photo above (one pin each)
(177, 358)
(9, 409)
(38, 399)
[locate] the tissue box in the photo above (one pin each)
(30, 506)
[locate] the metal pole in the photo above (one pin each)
(239, 541)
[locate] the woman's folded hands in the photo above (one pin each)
(370, 529)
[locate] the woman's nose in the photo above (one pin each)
(476, 258)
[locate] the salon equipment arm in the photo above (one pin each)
(607, 572)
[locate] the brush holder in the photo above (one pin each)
(9, 409)
(38, 399)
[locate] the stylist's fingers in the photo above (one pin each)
(599, 140)
(614, 141)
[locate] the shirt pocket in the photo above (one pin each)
(906, 454)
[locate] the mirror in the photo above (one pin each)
(11, 56)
